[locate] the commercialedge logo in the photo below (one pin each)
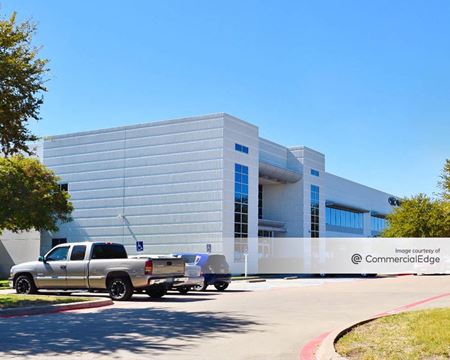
(356, 259)
(409, 259)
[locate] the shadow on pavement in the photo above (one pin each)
(109, 330)
(167, 299)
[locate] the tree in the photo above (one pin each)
(21, 85)
(422, 216)
(419, 216)
(30, 196)
(444, 183)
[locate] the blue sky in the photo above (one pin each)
(365, 82)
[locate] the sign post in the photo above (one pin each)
(245, 264)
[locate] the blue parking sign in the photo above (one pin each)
(139, 246)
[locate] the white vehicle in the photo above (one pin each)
(192, 275)
(194, 279)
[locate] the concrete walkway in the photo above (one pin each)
(271, 320)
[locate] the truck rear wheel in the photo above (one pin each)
(120, 289)
(157, 291)
(221, 286)
(24, 284)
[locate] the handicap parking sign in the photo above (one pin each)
(139, 246)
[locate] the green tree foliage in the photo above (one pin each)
(421, 216)
(30, 197)
(21, 85)
(445, 181)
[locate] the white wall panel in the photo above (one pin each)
(166, 178)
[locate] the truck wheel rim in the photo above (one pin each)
(118, 289)
(23, 286)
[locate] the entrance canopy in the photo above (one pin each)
(277, 174)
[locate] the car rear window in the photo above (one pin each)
(109, 251)
(217, 263)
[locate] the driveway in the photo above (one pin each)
(271, 320)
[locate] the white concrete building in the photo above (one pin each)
(16, 248)
(203, 183)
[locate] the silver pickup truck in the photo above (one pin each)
(98, 266)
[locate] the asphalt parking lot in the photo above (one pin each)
(270, 320)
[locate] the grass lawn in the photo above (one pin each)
(14, 300)
(412, 335)
(4, 284)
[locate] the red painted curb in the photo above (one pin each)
(52, 309)
(307, 352)
(414, 304)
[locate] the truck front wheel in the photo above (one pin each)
(24, 284)
(120, 289)
(157, 291)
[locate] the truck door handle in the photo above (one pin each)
(63, 267)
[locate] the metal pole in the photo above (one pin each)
(246, 264)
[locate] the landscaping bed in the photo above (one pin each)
(4, 284)
(412, 335)
(9, 301)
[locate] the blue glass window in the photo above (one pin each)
(378, 223)
(241, 148)
(314, 172)
(315, 219)
(240, 211)
(344, 218)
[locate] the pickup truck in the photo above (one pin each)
(98, 266)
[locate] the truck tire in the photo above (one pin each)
(24, 284)
(120, 289)
(183, 290)
(157, 291)
(201, 287)
(221, 286)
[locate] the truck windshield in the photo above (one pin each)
(109, 251)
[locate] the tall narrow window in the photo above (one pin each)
(378, 223)
(240, 211)
(260, 201)
(315, 211)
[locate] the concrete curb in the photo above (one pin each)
(49, 309)
(326, 350)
